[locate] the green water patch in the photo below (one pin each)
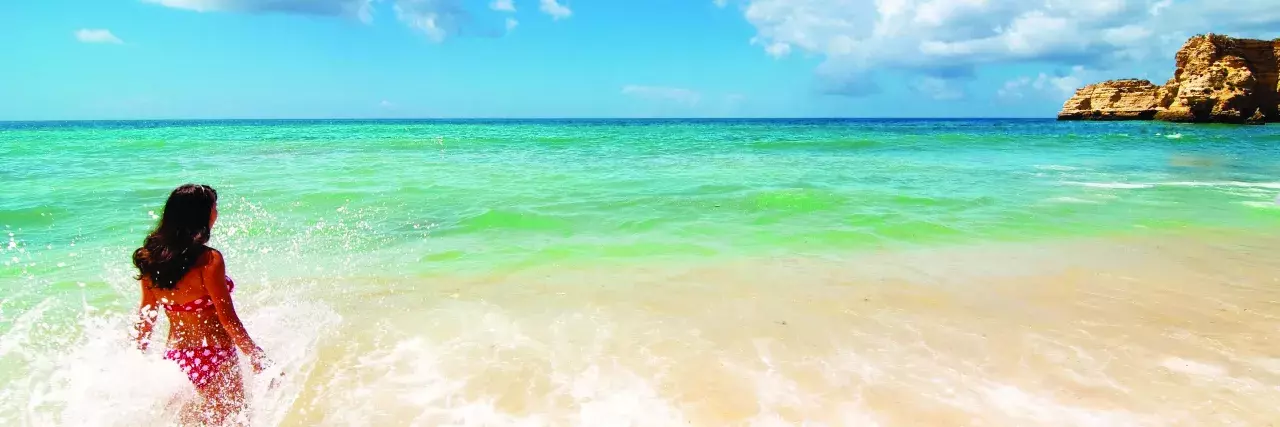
(938, 202)
(30, 217)
(513, 220)
(732, 198)
(444, 256)
(641, 224)
(791, 200)
(1266, 213)
(321, 197)
(557, 140)
(645, 249)
(835, 145)
(921, 231)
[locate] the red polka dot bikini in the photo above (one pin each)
(200, 363)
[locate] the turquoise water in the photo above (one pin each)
(483, 195)
(422, 198)
(409, 200)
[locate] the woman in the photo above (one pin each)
(188, 280)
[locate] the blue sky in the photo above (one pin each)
(141, 59)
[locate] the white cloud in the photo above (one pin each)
(359, 9)
(1062, 86)
(1057, 87)
(1014, 89)
(436, 19)
(503, 5)
(387, 104)
(555, 9)
(775, 49)
(938, 88)
(1157, 6)
(940, 38)
(88, 35)
(662, 93)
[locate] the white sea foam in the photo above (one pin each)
(1174, 136)
(1262, 205)
(1025, 408)
(79, 369)
(1138, 185)
(708, 350)
(1056, 167)
(494, 373)
(1270, 185)
(1067, 199)
(1110, 185)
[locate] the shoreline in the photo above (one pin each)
(1073, 348)
(836, 273)
(1027, 333)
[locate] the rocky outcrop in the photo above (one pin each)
(1219, 79)
(1257, 118)
(1113, 100)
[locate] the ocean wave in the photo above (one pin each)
(1138, 185)
(94, 377)
(1056, 167)
(1111, 185)
(1066, 199)
(1271, 185)
(1262, 205)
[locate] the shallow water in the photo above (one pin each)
(809, 272)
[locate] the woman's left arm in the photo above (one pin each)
(147, 315)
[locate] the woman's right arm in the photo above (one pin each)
(215, 282)
(147, 314)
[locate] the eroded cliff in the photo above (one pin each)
(1218, 79)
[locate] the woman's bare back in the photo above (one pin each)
(199, 328)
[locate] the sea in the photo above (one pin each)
(753, 272)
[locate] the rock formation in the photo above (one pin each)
(1257, 118)
(1129, 99)
(1219, 79)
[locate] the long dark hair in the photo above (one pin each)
(179, 238)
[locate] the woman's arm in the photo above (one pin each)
(215, 281)
(147, 315)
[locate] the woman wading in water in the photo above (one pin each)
(188, 281)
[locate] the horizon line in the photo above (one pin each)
(510, 119)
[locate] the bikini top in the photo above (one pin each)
(199, 303)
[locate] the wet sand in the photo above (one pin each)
(1175, 331)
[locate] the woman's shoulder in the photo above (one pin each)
(210, 256)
